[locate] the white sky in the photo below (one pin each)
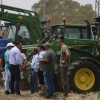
(26, 4)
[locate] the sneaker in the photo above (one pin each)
(21, 92)
(41, 94)
(12, 92)
(65, 96)
(17, 93)
(47, 97)
(7, 92)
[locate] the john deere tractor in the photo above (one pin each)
(83, 41)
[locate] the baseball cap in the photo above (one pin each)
(10, 44)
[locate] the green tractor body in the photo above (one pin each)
(83, 71)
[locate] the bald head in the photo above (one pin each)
(47, 46)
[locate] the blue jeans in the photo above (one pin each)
(34, 87)
(48, 80)
(8, 77)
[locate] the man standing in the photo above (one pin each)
(6, 67)
(15, 63)
(41, 50)
(34, 87)
(48, 68)
(64, 61)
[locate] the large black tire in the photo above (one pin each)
(83, 77)
(58, 87)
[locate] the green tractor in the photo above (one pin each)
(83, 42)
(82, 39)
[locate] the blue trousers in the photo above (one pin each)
(34, 87)
(48, 79)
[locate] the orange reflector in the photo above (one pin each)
(49, 19)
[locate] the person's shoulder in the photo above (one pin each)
(6, 52)
(50, 51)
(43, 52)
(15, 49)
(64, 46)
(22, 54)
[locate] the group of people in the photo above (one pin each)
(42, 68)
(12, 63)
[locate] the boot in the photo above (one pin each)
(7, 92)
(65, 90)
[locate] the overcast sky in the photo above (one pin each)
(26, 4)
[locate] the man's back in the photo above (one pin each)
(15, 56)
(50, 65)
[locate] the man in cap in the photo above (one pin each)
(6, 67)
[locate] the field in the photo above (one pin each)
(27, 96)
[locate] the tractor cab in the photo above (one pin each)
(19, 32)
(74, 31)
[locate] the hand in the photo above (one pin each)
(62, 61)
(21, 68)
(41, 60)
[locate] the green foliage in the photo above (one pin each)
(72, 10)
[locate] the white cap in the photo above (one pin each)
(10, 44)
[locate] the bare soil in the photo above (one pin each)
(27, 96)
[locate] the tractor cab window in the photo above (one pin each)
(79, 33)
(84, 33)
(24, 36)
(72, 33)
(10, 33)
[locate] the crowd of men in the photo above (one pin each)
(42, 68)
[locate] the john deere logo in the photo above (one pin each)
(20, 17)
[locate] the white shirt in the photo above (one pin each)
(41, 54)
(14, 56)
(35, 62)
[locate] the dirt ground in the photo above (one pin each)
(27, 96)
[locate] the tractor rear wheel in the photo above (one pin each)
(83, 76)
(58, 83)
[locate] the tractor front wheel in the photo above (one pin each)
(83, 76)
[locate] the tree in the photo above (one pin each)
(72, 10)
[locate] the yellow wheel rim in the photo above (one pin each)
(59, 79)
(84, 79)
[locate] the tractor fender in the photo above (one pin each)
(91, 59)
